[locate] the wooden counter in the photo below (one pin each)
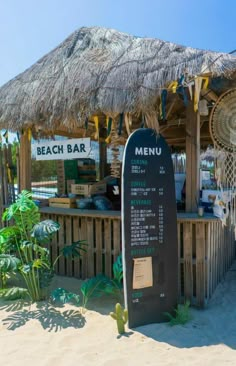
(206, 249)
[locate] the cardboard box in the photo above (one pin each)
(89, 188)
(62, 202)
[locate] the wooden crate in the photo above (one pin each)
(88, 189)
(62, 202)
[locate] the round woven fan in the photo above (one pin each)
(223, 121)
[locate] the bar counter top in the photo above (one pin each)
(181, 216)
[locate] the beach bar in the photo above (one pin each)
(100, 84)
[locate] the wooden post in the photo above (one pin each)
(192, 158)
(25, 162)
(18, 168)
(103, 159)
(1, 185)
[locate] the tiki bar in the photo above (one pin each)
(71, 114)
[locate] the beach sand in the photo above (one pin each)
(43, 335)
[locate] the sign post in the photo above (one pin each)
(62, 149)
(149, 229)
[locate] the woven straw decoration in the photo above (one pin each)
(223, 122)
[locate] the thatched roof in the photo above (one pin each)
(98, 70)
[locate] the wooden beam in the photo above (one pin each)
(192, 158)
(25, 162)
(209, 95)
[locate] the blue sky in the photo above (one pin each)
(29, 29)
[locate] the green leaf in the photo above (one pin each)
(26, 268)
(118, 269)
(39, 263)
(24, 212)
(26, 244)
(182, 315)
(16, 293)
(63, 296)
(8, 263)
(8, 238)
(95, 287)
(74, 249)
(43, 252)
(44, 230)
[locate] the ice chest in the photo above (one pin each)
(89, 188)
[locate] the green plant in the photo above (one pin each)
(182, 315)
(60, 295)
(27, 240)
(16, 293)
(102, 284)
(93, 287)
(121, 317)
(72, 251)
(26, 237)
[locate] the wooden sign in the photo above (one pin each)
(61, 149)
(149, 229)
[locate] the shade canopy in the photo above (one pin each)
(98, 70)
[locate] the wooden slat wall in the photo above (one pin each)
(103, 237)
(206, 251)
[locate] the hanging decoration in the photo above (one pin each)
(163, 104)
(143, 121)
(5, 135)
(96, 122)
(181, 89)
(223, 132)
(128, 122)
(29, 134)
(109, 128)
(115, 142)
(86, 124)
(121, 119)
(198, 87)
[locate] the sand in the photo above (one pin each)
(42, 335)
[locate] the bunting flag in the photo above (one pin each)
(190, 86)
(127, 123)
(86, 123)
(120, 123)
(173, 86)
(163, 104)
(143, 121)
(198, 87)
(5, 135)
(181, 89)
(96, 136)
(109, 128)
(29, 134)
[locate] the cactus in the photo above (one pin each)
(121, 317)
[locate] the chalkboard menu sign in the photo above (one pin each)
(149, 229)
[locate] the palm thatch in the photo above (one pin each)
(97, 70)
